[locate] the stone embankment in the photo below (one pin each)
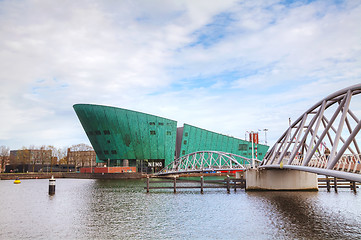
(13, 176)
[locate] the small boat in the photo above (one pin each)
(17, 181)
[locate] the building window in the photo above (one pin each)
(185, 142)
(151, 123)
(152, 132)
(242, 147)
(183, 152)
(114, 151)
(97, 132)
(260, 154)
(169, 133)
(106, 152)
(160, 124)
(108, 141)
(186, 134)
(106, 132)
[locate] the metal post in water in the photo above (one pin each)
(228, 189)
(328, 184)
(335, 183)
(174, 184)
(52, 185)
(202, 182)
(147, 184)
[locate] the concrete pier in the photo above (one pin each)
(280, 179)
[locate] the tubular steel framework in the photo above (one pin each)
(207, 161)
(318, 140)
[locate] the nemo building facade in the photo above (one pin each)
(122, 137)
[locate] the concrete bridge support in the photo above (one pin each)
(280, 179)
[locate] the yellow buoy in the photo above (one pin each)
(281, 164)
(17, 181)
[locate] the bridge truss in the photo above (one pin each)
(207, 161)
(324, 140)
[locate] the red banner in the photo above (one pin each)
(253, 139)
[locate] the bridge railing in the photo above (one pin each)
(347, 163)
(208, 161)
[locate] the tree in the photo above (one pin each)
(24, 157)
(81, 147)
(4, 155)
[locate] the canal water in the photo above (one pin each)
(121, 209)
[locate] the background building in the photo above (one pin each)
(122, 137)
(81, 159)
(29, 160)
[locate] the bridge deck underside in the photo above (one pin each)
(321, 171)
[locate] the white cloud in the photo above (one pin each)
(263, 62)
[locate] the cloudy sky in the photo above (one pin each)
(226, 66)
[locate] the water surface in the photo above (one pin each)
(120, 209)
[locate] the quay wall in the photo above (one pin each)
(13, 176)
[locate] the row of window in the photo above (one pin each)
(97, 132)
(106, 152)
(152, 132)
(259, 154)
(107, 132)
(241, 147)
(160, 123)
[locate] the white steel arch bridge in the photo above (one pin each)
(207, 161)
(324, 140)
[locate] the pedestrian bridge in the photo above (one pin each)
(324, 140)
(207, 161)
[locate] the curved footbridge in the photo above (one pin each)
(323, 140)
(207, 161)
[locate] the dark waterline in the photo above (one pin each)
(100, 209)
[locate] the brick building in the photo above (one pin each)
(81, 158)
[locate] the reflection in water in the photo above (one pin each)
(100, 209)
(316, 215)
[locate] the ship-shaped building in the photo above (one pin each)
(127, 138)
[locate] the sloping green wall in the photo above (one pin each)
(117, 133)
(196, 139)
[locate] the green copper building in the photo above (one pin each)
(120, 136)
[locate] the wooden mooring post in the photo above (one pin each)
(328, 184)
(353, 186)
(337, 184)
